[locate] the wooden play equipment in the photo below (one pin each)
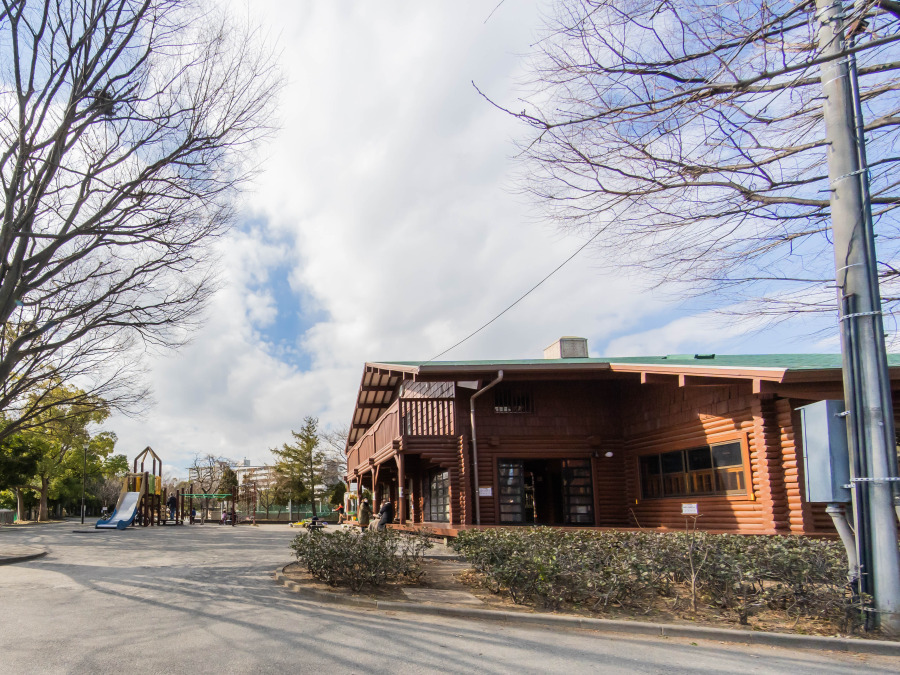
(153, 509)
(143, 498)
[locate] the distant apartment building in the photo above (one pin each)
(262, 475)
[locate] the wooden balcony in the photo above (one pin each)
(404, 417)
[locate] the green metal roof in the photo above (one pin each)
(780, 361)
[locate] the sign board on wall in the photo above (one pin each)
(486, 491)
(689, 510)
(353, 487)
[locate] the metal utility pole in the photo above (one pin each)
(866, 378)
(83, 481)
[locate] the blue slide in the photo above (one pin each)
(124, 514)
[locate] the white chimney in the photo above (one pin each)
(567, 348)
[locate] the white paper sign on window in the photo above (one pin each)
(689, 510)
(486, 491)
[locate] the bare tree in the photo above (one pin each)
(125, 127)
(267, 496)
(334, 442)
(108, 490)
(205, 473)
(688, 137)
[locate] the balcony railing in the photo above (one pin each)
(427, 416)
(411, 417)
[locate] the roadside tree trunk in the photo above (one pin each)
(20, 504)
(43, 513)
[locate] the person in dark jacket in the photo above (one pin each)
(172, 503)
(385, 515)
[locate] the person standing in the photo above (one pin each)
(365, 514)
(172, 503)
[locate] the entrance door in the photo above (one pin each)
(578, 493)
(512, 491)
(437, 508)
(546, 491)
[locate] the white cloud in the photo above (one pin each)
(705, 332)
(387, 198)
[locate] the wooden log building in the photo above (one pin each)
(593, 442)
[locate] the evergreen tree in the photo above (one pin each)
(229, 485)
(338, 490)
(300, 465)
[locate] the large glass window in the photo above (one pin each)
(512, 490)
(705, 470)
(578, 494)
(438, 507)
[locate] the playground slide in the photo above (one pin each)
(124, 514)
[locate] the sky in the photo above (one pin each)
(386, 224)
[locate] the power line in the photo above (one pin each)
(525, 295)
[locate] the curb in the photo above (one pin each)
(783, 640)
(11, 559)
(325, 596)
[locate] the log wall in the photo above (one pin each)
(590, 419)
(660, 417)
(561, 410)
(431, 452)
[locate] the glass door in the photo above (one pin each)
(512, 490)
(439, 496)
(578, 493)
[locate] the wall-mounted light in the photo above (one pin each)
(608, 454)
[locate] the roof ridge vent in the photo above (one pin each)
(689, 357)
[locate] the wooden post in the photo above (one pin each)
(401, 489)
(375, 503)
(418, 514)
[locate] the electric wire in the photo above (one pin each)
(522, 297)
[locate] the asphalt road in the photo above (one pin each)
(201, 600)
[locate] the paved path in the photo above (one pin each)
(201, 599)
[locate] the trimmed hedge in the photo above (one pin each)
(735, 573)
(357, 558)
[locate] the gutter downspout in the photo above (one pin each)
(475, 442)
(839, 516)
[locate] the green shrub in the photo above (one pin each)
(358, 558)
(735, 573)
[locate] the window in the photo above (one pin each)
(512, 490)
(706, 470)
(438, 506)
(508, 401)
(578, 493)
